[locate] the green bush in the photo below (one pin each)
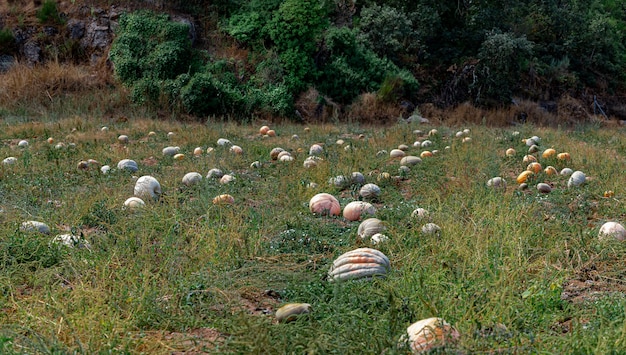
(48, 13)
(150, 45)
(388, 32)
(353, 69)
(503, 58)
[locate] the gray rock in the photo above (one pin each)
(32, 52)
(6, 62)
(97, 36)
(76, 28)
(50, 31)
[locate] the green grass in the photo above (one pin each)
(500, 271)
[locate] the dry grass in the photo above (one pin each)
(46, 82)
(368, 108)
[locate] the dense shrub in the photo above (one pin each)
(388, 32)
(353, 69)
(503, 58)
(149, 45)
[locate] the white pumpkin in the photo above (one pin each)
(127, 164)
(70, 241)
(359, 263)
(134, 203)
(147, 187)
(316, 149)
(226, 179)
(9, 161)
(576, 179)
(410, 160)
(35, 226)
(497, 183)
(369, 227)
(214, 174)
(420, 214)
(431, 228)
(396, 153)
(192, 178)
(369, 192)
(224, 142)
(170, 151)
(544, 188)
(612, 229)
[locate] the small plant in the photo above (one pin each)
(7, 41)
(48, 13)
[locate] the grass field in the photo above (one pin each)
(514, 271)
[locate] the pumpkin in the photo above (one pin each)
(197, 151)
(224, 142)
(355, 209)
(236, 149)
(23, 143)
(420, 213)
(566, 172)
(226, 179)
(396, 153)
(123, 139)
(433, 132)
(529, 159)
(431, 228)
(379, 238)
(147, 186)
(576, 179)
(310, 162)
(170, 151)
(543, 187)
(369, 192)
(563, 156)
(510, 152)
(35, 226)
(134, 203)
(282, 154)
(548, 153)
(497, 183)
(426, 154)
(612, 229)
(291, 311)
(9, 161)
(223, 199)
(534, 167)
(410, 160)
(263, 130)
(403, 147)
(466, 139)
(339, 181)
(70, 241)
(608, 193)
(550, 170)
(286, 158)
(325, 204)
(426, 143)
(127, 164)
(428, 334)
(271, 133)
(316, 149)
(359, 263)
(523, 177)
(357, 178)
(369, 227)
(214, 174)
(192, 178)
(533, 149)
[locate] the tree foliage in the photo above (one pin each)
(487, 51)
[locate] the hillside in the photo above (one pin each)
(327, 70)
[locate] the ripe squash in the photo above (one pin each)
(359, 263)
(429, 333)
